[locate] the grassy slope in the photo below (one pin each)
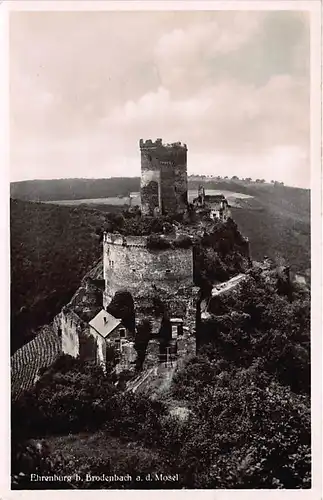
(276, 220)
(277, 223)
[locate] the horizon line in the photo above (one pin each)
(209, 177)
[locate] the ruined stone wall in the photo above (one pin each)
(163, 176)
(181, 179)
(75, 335)
(101, 350)
(130, 265)
(67, 325)
(150, 190)
(168, 195)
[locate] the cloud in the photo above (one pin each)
(183, 57)
(232, 85)
(229, 127)
(228, 116)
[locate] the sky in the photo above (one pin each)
(86, 86)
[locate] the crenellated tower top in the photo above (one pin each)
(158, 143)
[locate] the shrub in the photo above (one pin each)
(183, 242)
(155, 242)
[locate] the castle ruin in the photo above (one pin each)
(163, 185)
(160, 274)
(217, 205)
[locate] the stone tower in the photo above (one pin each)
(163, 186)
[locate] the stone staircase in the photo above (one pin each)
(134, 384)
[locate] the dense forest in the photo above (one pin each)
(52, 248)
(245, 420)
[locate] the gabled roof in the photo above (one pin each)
(104, 323)
(227, 285)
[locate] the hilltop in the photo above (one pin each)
(73, 189)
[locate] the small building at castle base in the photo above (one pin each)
(102, 337)
(215, 204)
(107, 331)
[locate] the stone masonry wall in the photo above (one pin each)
(168, 195)
(129, 265)
(150, 190)
(67, 325)
(181, 179)
(101, 348)
(163, 176)
(75, 335)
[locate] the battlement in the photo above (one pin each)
(161, 244)
(158, 143)
(125, 241)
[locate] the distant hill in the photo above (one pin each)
(79, 189)
(277, 222)
(276, 219)
(73, 189)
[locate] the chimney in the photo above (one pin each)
(105, 320)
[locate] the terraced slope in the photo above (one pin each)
(41, 352)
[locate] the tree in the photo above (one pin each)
(71, 396)
(257, 323)
(247, 430)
